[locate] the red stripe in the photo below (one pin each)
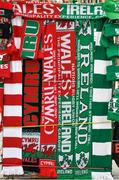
(12, 99)
(1, 98)
(16, 56)
(12, 161)
(12, 142)
(6, 5)
(12, 121)
(14, 78)
(17, 31)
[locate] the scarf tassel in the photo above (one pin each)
(101, 176)
(13, 170)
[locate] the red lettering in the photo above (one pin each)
(32, 79)
(28, 109)
(31, 94)
(30, 160)
(32, 66)
(30, 120)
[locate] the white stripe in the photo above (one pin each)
(0, 117)
(1, 142)
(100, 66)
(12, 153)
(16, 66)
(101, 122)
(13, 89)
(17, 21)
(102, 149)
(97, 37)
(12, 132)
(17, 41)
(101, 95)
(13, 170)
(101, 176)
(13, 111)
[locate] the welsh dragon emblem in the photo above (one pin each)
(82, 159)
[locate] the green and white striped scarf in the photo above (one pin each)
(102, 91)
(93, 158)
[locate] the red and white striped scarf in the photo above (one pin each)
(12, 116)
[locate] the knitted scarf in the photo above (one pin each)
(94, 146)
(48, 136)
(32, 82)
(5, 25)
(66, 97)
(12, 136)
(31, 113)
(91, 144)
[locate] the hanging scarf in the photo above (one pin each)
(30, 51)
(94, 92)
(31, 37)
(102, 91)
(66, 98)
(48, 127)
(12, 136)
(84, 84)
(31, 113)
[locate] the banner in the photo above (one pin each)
(66, 98)
(58, 11)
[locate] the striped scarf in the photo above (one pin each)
(99, 134)
(12, 136)
(102, 91)
(92, 146)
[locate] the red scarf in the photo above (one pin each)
(49, 118)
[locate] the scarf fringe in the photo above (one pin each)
(13, 170)
(101, 176)
(48, 172)
(1, 172)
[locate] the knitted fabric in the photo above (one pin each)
(12, 136)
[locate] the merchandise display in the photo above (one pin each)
(59, 89)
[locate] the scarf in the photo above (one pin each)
(84, 86)
(66, 98)
(93, 92)
(90, 107)
(102, 91)
(32, 87)
(31, 114)
(5, 26)
(48, 129)
(31, 37)
(12, 116)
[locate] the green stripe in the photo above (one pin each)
(99, 109)
(100, 53)
(99, 24)
(102, 161)
(102, 135)
(100, 81)
(1, 85)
